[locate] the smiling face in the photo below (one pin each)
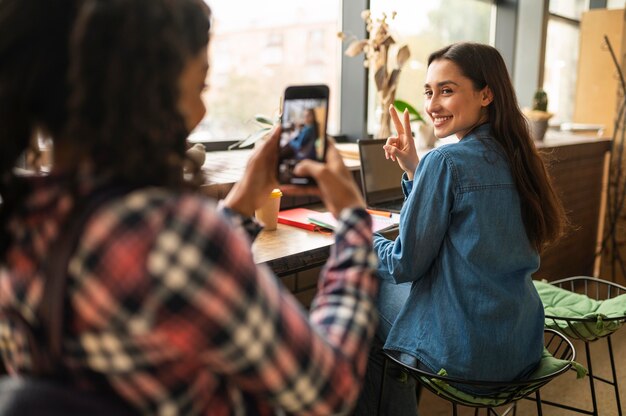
(451, 100)
(191, 84)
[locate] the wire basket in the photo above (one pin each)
(592, 328)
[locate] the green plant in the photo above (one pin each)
(540, 100)
(402, 105)
(265, 124)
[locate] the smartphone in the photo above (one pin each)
(303, 122)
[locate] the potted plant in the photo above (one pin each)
(384, 65)
(538, 116)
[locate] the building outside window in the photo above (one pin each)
(259, 48)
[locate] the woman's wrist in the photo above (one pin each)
(240, 201)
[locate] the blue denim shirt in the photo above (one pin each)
(472, 307)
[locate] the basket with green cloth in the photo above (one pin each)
(558, 357)
(587, 309)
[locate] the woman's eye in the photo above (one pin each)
(428, 94)
(446, 91)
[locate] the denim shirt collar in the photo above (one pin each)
(481, 131)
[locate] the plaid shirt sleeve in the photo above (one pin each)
(249, 224)
(261, 339)
(213, 330)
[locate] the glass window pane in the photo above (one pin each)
(426, 27)
(258, 48)
(616, 4)
(572, 9)
(561, 61)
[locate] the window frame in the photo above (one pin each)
(519, 35)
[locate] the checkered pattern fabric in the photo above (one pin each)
(168, 309)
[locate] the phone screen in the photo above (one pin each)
(303, 134)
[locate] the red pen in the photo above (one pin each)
(379, 213)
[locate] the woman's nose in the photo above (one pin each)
(432, 104)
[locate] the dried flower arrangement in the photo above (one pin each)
(377, 50)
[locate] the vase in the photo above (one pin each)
(538, 129)
(384, 127)
(424, 135)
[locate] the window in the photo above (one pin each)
(274, 48)
(316, 47)
(615, 4)
(259, 48)
(561, 56)
(426, 27)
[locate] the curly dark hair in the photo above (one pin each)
(33, 69)
(127, 57)
(34, 37)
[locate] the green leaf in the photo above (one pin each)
(251, 139)
(403, 105)
(261, 119)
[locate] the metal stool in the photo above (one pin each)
(504, 392)
(584, 330)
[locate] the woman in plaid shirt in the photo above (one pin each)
(165, 305)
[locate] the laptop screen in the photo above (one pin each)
(380, 177)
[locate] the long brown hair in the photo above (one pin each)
(542, 211)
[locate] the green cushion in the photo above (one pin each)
(548, 365)
(562, 303)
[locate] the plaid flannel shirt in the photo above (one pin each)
(169, 310)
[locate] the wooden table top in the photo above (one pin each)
(289, 249)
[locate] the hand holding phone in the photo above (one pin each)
(335, 184)
(303, 124)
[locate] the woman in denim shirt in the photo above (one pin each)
(456, 289)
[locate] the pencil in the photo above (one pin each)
(379, 213)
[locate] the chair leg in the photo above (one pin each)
(617, 399)
(591, 380)
(538, 402)
(382, 388)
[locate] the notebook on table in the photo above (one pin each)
(379, 223)
(380, 177)
(312, 220)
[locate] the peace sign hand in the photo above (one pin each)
(401, 148)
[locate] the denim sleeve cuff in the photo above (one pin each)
(407, 184)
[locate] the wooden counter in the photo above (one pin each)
(579, 167)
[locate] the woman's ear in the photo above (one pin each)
(486, 96)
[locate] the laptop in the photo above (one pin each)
(380, 177)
